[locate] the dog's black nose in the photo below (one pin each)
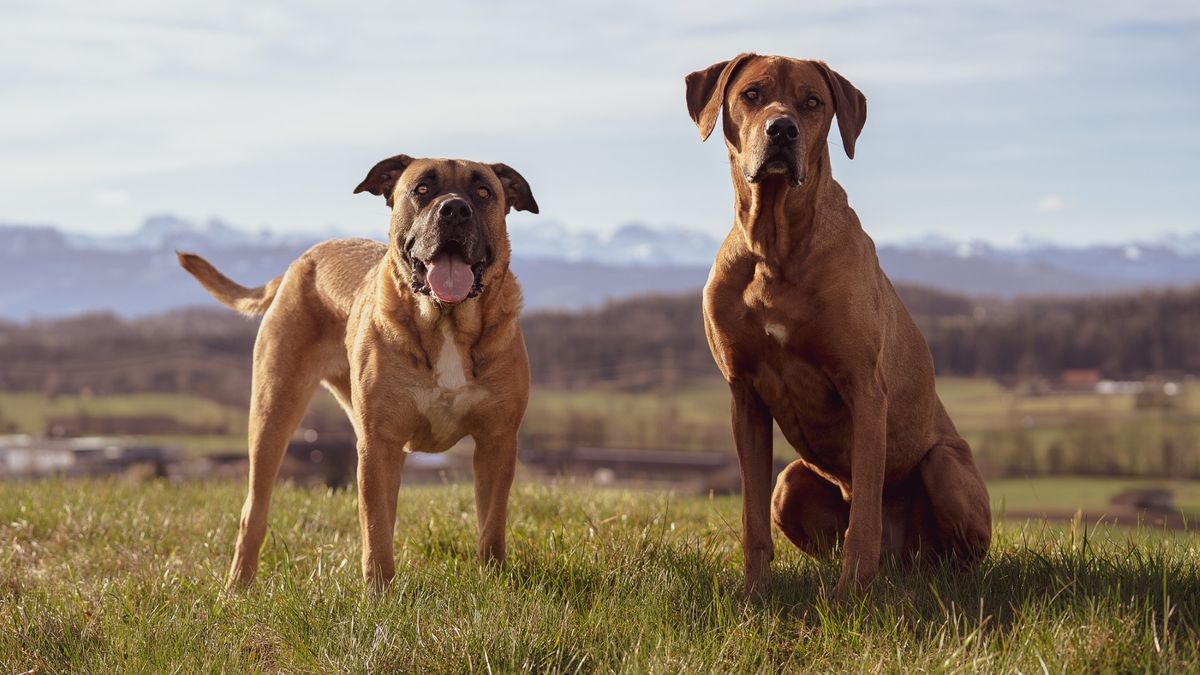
(782, 128)
(455, 210)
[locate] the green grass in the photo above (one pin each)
(1068, 493)
(116, 576)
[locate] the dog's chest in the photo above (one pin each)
(450, 370)
(790, 373)
(447, 402)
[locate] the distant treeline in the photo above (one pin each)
(661, 339)
(200, 351)
(640, 343)
(1124, 337)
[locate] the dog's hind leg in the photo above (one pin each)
(285, 378)
(959, 503)
(809, 510)
(339, 386)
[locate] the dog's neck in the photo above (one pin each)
(776, 219)
(425, 317)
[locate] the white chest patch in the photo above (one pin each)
(776, 331)
(445, 404)
(449, 366)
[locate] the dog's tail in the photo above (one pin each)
(248, 301)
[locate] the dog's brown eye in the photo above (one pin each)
(813, 102)
(483, 193)
(422, 189)
(750, 94)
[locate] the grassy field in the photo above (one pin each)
(117, 576)
(1057, 433)
(697, 416)
(1009, 432)
(1068, 493)
(27, 413)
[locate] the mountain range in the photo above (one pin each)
(46, 271)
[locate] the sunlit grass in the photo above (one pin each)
(115, 576)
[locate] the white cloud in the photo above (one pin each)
(110, 197)
(1050, 204)
(137, 92)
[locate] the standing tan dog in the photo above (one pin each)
(809, 332)
(418, 340)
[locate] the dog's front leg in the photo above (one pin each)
(495, 463)
(868, 460)
(379, 467)
(752, 435)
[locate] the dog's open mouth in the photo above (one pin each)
(779, 164)
(773, 166)
(447, 276)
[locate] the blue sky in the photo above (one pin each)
(1072, 122)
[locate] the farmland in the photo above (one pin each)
(1012, 433)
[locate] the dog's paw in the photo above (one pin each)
(851, 586)
(756, 579)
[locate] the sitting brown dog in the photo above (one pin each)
(418, 340)
(809, 332)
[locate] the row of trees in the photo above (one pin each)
(661, 339)
(1124, 337)
(641, 343)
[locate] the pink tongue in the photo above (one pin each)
(450, 277)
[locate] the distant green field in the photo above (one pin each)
(1058, 493)
(1010, 433)
(30, 411)
(27, 413)
(1058, 433)
(113, 576)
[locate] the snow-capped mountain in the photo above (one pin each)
(629, 244)
(1039, 267)
(167, 231)
(45, 271)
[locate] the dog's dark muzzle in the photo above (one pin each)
(428, 279)
(449, 262)
(448, 251)
(781, 154)
(783, 162)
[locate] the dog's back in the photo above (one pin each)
(331, 272)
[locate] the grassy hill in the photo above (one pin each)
(115, 576)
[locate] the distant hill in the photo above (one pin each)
(46, 272)
(643, 343)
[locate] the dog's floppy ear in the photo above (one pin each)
(849, 105)
(517, 194)
(382, 177)
(706, 92)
